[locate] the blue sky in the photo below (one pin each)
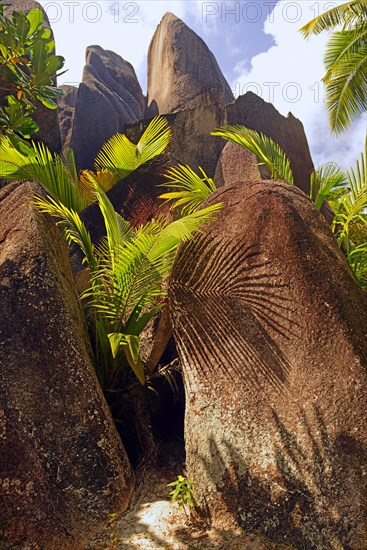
(256, 43)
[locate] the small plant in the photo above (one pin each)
(182, 493)
(114, 537)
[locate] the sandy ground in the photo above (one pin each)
(154, 523)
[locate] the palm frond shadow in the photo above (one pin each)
(229, 292)
(301, 472)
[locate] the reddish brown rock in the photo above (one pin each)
(63, 468)
(255, 113)
(237, 163)
(182, 71)
(271, 332)
(192, 143)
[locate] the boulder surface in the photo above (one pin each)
(271, 333)
(63, 468)
(182, 71)
(109, 97)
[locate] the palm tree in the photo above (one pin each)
(345, 61)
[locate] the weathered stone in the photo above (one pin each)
(271, 332)
(237, 163)
(47, 119)
(255, 113)
(192, 143)
(182, 71)
(63, 468)
(66, 110)
(109, 97)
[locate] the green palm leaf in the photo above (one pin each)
(345, 61)
(44, 167)
(345, 79)
(324, 181)
(352, 205)
(72, 225)
(347, 13)
(190, 189)
(267, 151)
(119, 155)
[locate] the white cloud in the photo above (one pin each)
(289, 76)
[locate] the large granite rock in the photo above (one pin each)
(47, 119)
(182, 71)
(109, 97)
(63, 468)
(271, 333)
(192, 143)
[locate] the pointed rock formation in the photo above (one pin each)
(109, 97)
(63, 468)
(271, 333)
(182, 71)
(47, 119)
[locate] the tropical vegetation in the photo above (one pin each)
(345, 61)
(130, 266)
(28, 71)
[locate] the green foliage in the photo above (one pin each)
(182, 493)
(345, 61)
(324, 181)
(130, 266)
(120, 156)
(268, 152)
(28, 69)
(346, 193)
(190, 189)
(58, 174)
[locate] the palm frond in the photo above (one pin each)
(345, 14)
(353, 204)
(190, 190)
(72, 225)
(267, 151)
(345, 79)
(324, 181)
(120, 156)
(44, 167)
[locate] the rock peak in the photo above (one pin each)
(182, 71)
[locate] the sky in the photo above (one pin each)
(256, 43)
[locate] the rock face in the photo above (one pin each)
(192, 143)
(109, 97)
(66, 111)
(234, 163)
(47, 119)
(271, 332)
(63, 468)
(182, 71)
